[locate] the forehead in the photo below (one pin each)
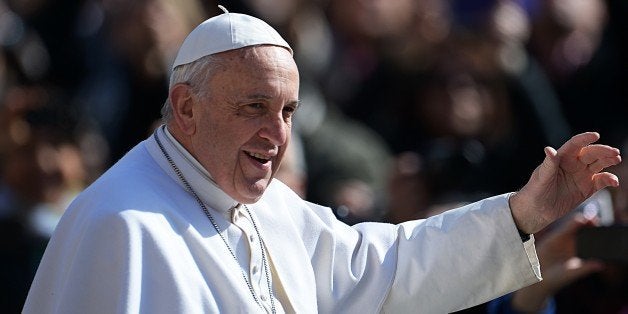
(260, 61)
(261, 72)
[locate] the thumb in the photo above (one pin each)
(575, 223)
(572, 270)
(549, 165)
(578, 268)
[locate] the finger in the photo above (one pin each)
(589, 154)
(587, 219)
(577, 142)
(578, 268)
(603, 163)
(604, 179)
(572, 225)
(550, 164)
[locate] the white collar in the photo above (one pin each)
(189, 158)
(196, 175)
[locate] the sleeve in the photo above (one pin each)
(460, 258)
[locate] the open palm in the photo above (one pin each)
(565, 179)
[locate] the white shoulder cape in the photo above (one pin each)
(136, 242)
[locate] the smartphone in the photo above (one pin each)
(607, 243)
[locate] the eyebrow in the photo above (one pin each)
(296, 103)
(258, 96)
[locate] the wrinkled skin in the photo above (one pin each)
(240, 130)
(564, 179)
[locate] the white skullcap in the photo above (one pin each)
(225, 32)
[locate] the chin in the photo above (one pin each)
(249, 199)
(253, 193)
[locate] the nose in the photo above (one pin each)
(275, 130)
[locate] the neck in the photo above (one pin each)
(180, 136)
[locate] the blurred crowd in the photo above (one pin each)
(408, 107)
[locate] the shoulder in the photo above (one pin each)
(133, 187)
(284, 204)
(279, 194)
(134, 178)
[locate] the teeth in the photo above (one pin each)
(259, 156)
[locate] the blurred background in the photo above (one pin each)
(409, 107)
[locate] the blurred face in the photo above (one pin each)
(243, 125)
(373, 18)
(460, 107)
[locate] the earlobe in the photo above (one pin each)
(182, 107)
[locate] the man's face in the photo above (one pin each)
(243, 126)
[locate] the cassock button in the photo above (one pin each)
(263, 297)
(252, 238)
(255, 269)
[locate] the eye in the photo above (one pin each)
(288, 111)
(256, 106)
(253, 108)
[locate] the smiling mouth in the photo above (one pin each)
(259, 157)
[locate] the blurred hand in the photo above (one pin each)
(559, 265)
(564, 179)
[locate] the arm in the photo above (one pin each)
(564, 179)
(460, 258)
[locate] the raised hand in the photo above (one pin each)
(564, 179)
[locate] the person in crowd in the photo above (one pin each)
(191, 220)
(581, 47)
(42, 168)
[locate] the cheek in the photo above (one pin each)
(281, 155)
(213, 147)
(223, 147)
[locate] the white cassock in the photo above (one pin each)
(137, 241)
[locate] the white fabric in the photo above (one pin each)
(225, 32)
(136, 241)
(172, 144)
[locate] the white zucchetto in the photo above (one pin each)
(225, 32)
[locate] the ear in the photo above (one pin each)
(182, 108)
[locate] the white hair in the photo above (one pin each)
(196, 74)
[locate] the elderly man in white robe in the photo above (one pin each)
(191, 220)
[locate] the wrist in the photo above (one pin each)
(525, 221)
(522, 234)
